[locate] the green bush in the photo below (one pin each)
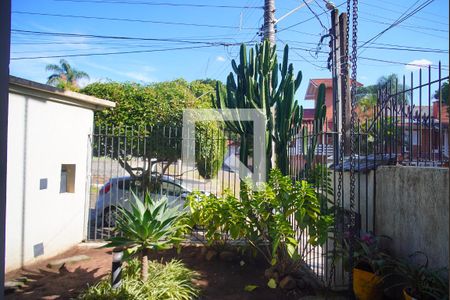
(210, 149)
(167, 281)
(156, 111)
(268, 218)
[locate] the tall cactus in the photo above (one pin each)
(250, 87)
(260, 83)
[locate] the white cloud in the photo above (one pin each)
(220, 58)
(418, 64)
(142, 73)
(140, 76)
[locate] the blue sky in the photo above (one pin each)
(426, 29)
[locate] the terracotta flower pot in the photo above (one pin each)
(366, 285)
(406, 295)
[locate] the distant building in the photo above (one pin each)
(311, 94)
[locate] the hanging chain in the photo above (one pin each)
(353, 137)
(343, 71)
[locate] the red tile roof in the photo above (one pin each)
(327, 81)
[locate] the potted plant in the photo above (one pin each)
(369, 262)
(419, 282)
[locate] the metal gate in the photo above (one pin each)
(125, 159)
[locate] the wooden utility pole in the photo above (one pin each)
(337, 122)
(269, 34)
(5, 32)
(269, 21)
(344, 81)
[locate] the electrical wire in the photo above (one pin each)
(402, 18)
(397, 11)
(128, 20)
(307, 20)
(162, 4)
(316, 16)
(172, 40)
(405, 25)
(112, 53)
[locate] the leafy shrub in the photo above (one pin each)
(210, 149)
(268, 219)
(156, 110)
(166, 281)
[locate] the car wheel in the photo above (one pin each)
(109, 217)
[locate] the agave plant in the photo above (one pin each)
(148, 225)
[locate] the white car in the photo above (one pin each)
(117, 192)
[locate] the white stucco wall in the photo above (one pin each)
(42, 135)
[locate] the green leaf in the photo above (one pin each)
(272, 283)
(273, 262)
(250, 288)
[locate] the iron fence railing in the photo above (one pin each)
(410, 120)
(128, 160)
(320, 166)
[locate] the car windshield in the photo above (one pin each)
(166, 184)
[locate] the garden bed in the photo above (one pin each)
(218, 279)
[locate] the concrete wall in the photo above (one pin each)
(364, 182)
(42, 135)
(412, 207)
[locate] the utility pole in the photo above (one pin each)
(341, 81)
(337, 92)
(269, 34)
(269, 21)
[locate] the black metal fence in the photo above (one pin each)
(399, 129)
(410, 120)
(128, 160)
(314, 157)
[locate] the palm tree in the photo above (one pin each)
(365, 106)
(148, 225)
(64, 76)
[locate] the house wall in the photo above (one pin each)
(412, 206)
(43, 135)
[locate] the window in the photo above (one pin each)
(67, 184)
(170, 189)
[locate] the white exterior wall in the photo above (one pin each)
(42, 135)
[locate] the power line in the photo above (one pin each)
(409, 50)
(63, 34)
(403, 63)
(307, 20)
(404, 46)
(402, 6)
(302, 57)
(405, 25)
(398, 48)
(127, 20)
(396, 11)
(402, 18)
(315, 15)
(161, 4)
(112, 53)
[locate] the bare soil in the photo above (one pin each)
(218, 280)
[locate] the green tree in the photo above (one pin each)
(65, 76)
(394, 83)
(444, 93)
(156, 110)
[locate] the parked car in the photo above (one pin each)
(117, 192)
